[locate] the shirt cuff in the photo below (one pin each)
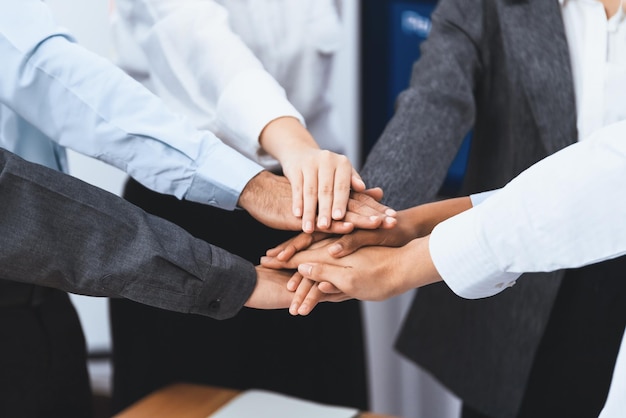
(229, 282)
(221, 177)
(246, 106)
(479, 198)
(464, 261)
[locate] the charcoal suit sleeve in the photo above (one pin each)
(58, 231)
(433, 115)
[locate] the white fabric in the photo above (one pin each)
(566, 211)
(598, 57)
(274, 57)
(53, 90)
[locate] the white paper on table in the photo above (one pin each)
(255, 403)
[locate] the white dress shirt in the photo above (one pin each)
(233, 66)
(53, 90)
(569, 209)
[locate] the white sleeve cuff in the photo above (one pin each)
(463, 260)
(246, 106)
(479, 198)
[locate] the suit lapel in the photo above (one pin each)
(534, 34)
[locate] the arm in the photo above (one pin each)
(566, 211)
(182, 43)
(58, 231)
(411, 223)
(46, 77)
(432, 116)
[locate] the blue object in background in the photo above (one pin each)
(392, 32)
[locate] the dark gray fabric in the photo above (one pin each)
(58, 231)
(503, 68)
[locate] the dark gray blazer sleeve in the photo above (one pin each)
(433, 115)
(58, 231)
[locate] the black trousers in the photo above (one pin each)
(43, 362)
(320, 357)
(573, 368)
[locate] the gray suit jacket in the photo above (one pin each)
(58, 231)
(503, 68)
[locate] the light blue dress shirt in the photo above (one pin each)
(55, 94)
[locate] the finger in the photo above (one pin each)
(313, 297)
(341, 191)
(325, 191)
(300, 294)
(340, 227)
(348, 244)
(294, 282)
(275, 263)
(309, 199)
(375, 193)
(367, 200)
(287, 249)
(357, 182)
(296, 194)
(328, 288)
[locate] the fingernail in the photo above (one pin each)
(308, 226)
(335, 248)
(305, 269)
(337, 214)
(291, 286)
(373, 218)
(390, 220)
(323, 222)
(297, 212)
(293, 309)
(304, 309)
(391, 212)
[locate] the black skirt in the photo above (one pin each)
(320, 357)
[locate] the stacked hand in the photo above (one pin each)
(365, 264)
(352, 246)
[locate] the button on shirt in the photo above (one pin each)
(55, 94)
(567, 210)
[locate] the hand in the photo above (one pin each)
(267, 197)
(321, 181)
(271, 291)
(402, 233)
(372, 273)
(307, 294)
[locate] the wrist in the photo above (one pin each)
(253, 189)
(284, 136)
(418, 260)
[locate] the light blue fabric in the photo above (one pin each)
(55, 94)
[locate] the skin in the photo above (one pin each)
(367, 265)
(318, 177)
(271, 291)
(611, 7)
(267, 197)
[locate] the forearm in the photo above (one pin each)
(206, 69)
(565, 211)
(46, 77)
(285, 136)
(420, 220)
(58, 231)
